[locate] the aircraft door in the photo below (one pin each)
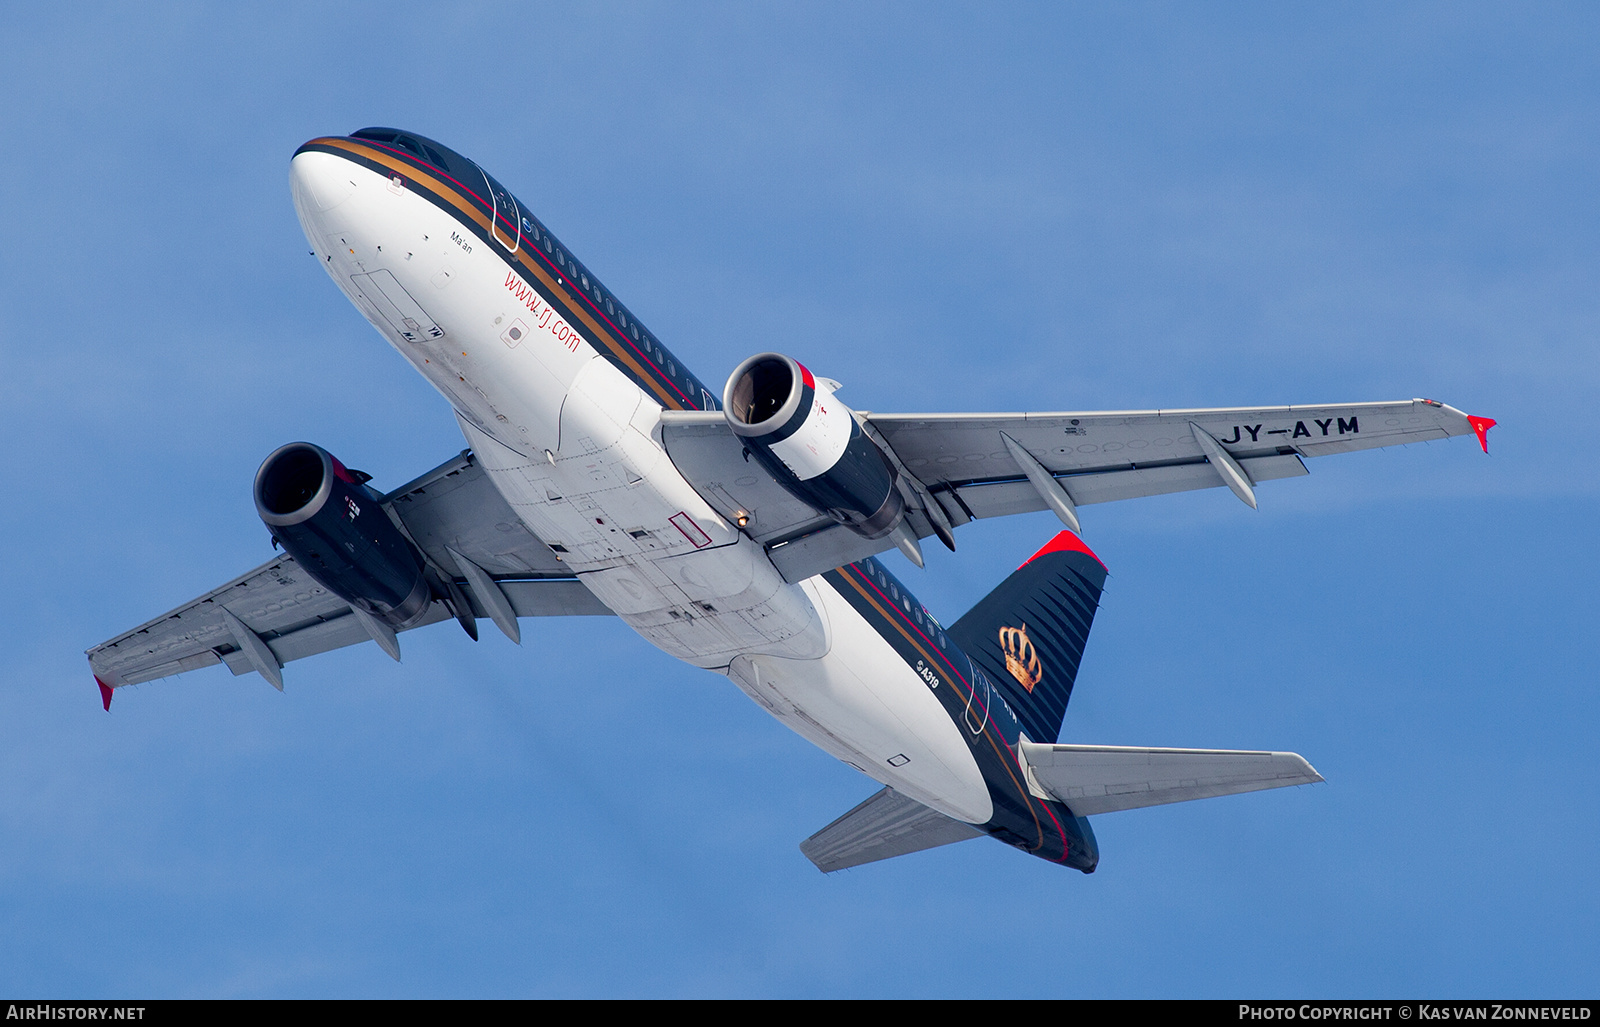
(505, 213)
(977, 712)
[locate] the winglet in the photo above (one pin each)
(1481, 425)
(105, 692)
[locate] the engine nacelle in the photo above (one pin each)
(812, 443)
(335, 527)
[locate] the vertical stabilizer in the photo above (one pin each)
(1028, 634)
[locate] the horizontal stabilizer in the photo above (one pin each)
(1094, 779)
(888, 824)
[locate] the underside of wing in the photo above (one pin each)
(278, 612)
(886, 825)
(1093, 779)
(801, 540)
(953, 468)
(456, 506)
(1101, 457)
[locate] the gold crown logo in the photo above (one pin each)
(1021, 660)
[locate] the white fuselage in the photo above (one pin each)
(575, 447)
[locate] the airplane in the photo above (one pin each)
(736, 531)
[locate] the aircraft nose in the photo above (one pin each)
(320, 181)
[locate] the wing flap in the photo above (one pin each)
(713, 459)
(296, 618)
(1002, 498)
(453, 505)
(193, 661)
(1093, 779)
(884, 826)
(967, 447)
(961, 464)
(831, 546)
(536, 598)
(275, 599)
(1108, 456)
(548, 597)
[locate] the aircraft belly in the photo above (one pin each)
(569, 440)
(864, 705)
(642, 540)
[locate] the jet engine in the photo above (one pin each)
(335, 527)
(793, 424)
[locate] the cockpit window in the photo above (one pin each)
(441, 157)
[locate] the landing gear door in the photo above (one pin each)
(394, 304)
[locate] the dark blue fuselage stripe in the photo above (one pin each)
(350, 149)
(1016, 816)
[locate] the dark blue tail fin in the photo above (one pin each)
(1028, 634)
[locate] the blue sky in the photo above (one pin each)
(944, 207)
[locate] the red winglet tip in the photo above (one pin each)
(105, 692)
(1481, 425)
(1065, 541)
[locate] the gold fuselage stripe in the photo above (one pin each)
(451, 195)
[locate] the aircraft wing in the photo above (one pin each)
(958, 467)
(886, 825)
(277, 613)
(1101, 457)
(1093, 779)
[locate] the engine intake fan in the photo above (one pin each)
(336, 528)
(812, 444)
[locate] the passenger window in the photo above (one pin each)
(609, 308)
(635, 330)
